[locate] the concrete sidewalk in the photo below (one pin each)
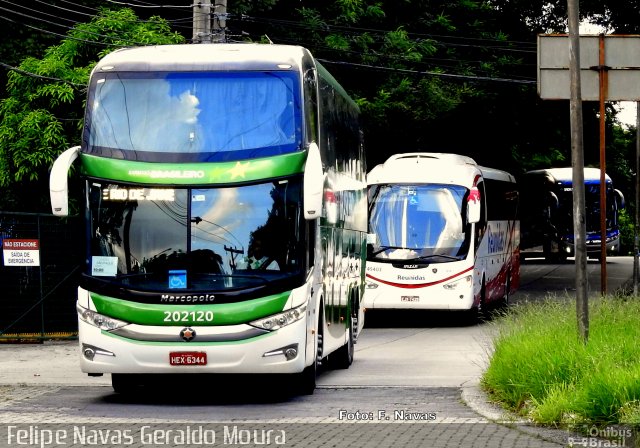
(45, 364)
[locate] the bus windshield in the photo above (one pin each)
(159, 239)
(421, 222)
(193, 117)
(564, 214)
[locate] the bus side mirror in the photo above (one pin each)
(58, 181)
(473, 206)
(313, 185)
(619, 199)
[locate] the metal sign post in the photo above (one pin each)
(603, 82)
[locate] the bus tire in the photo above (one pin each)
(547, 251)
(476, 314)
(123, 383)
(343, 357)
(507, 292)
(306, 380)
(554, 253)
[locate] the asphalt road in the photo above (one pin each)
(539, 279)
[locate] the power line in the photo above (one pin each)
(63, 9)
(394, 58)
(34, 75)
(437, 74)
(31, 17)
(40, 12)
(149, 5)
(35, 12)
(380, 31)
(80, 5)
(507, 60)
(66, 36)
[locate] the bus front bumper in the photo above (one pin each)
(280, 351)
(436, 297)
(593, 246)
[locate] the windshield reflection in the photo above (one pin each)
(195, 239)
(418, 223)
(193, 116)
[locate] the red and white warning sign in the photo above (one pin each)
(21, 252)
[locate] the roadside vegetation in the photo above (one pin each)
(540, 368)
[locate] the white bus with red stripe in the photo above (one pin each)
(443, 234)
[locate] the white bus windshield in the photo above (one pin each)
(193, 116)
(204, 239)
(418, 222)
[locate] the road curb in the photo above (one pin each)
(478, 400)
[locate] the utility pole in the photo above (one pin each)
(637, 213)
(219, 21)
(201, 21)
(577, 162)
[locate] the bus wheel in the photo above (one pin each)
(547, 251)
(476, 314)
(343, 357)
(306, 380)
(123, 383)
(507, 292)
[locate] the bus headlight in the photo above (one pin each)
(464, 282)
(280, 320)
(371, 285)
(99, 320)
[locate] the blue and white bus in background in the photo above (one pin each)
(443, 234)
(547, 220)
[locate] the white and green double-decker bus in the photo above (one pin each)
(225, 210)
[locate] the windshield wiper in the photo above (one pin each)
(383, 248)
(427, 257)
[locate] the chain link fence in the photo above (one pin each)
(38, 302)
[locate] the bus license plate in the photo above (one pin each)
(188, 358)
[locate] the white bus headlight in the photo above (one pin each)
(464, 282)
(99, 320)
(280, 320)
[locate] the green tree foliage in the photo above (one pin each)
(410, 65)
(547, 16)
(41, 115)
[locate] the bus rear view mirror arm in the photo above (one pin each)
(58, 181)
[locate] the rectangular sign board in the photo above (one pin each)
(21, 252)
(622, 60)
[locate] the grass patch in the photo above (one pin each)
(541, 369)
